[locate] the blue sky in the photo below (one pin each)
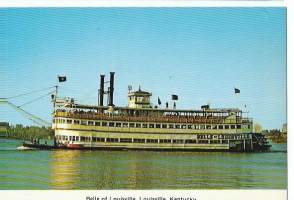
(201, 54)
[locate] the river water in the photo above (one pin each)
(66, 169)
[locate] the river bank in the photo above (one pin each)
(28, 133)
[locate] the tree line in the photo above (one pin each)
(29, 132)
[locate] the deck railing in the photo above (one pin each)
(160, 119)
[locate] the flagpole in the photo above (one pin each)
(56, 93)
(237, 92)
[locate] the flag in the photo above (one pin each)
(237, 91)
(158, 100)
(61, 78)
(174, 97)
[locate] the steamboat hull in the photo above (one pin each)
(95, 140)
(125, 148)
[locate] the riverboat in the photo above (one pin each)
(142, 126)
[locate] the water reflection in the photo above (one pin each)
(165, 170)
(65, 169)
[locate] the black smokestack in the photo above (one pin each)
(101, 90)
(111, 89)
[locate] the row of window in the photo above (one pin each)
(200, 139)
(146, 125)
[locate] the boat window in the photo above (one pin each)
(63, 137)
(90, 123)
(76, 121)
(100, 139)
(233, 126)
(70, 138)
(151, 125)
(190, 141)
(177, 126)
(138, 125)
(158, 125)
(214, 126)
(132, 125)
(83, 138)
(178, 141)
(112, 140)
(111, 124)
(184, 126)
(227, 127)
(203, 141)
(69, 121)
(66, 138)
(214, 141)
(225, 142)
(139, 140)
(118, 124)
(97, 123)
(208, 127)
(152, 141)
(164, 125)
(171, 126)
(83, 122)
(144, 125)
(126, 140)
(77, 138)
(94, 139)
(104, 123)
(220, 127)
(197, 126)
(164, 141)
(238, 126)
(202, 127)
(249, 126)
(189, 126)
(125, 124)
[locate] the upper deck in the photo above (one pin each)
(140, 109)
(204, 116)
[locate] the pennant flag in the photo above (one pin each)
(237, 91)
(205, 107)
(61, 78)
(158, 100)
(174, 97)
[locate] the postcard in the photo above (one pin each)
(127, 98)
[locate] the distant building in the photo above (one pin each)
(284, 128)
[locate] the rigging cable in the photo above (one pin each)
(34, 91)
(38, 98)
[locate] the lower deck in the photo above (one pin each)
(117, 140)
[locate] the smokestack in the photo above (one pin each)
(101, 90)
(111, 89)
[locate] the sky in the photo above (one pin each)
(200, 54)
